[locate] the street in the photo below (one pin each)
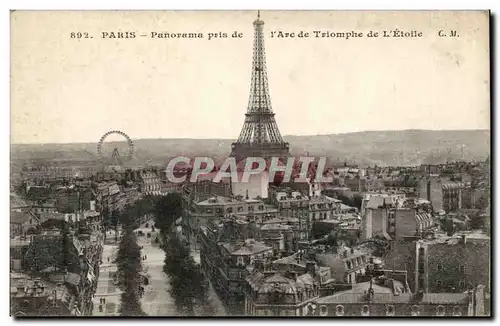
(105, 288)
(156, 300)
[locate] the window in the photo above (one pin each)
(439, 284)
(457, 311)
(261, 207)
(461, 269)
(440, 311)
(250, 208)
(461, 284)
(390, 311)
(240, 260)
(240, 209)
(339, 310)
(440, 267)
(365, 310)
(415, 311)
(323, 310)
(229, 210)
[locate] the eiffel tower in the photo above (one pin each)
(260, 136)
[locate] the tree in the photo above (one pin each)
(167, 209)
(129, 217)
(106, 217)
(53, 223)
(355, 201)
(129, 256)
(478, 221)
(32, 230)
(130, 305)
(448, 226)
(129, 273)
(481, 203)
(20, 189)
(188, 286)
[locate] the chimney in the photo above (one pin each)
(259, 265)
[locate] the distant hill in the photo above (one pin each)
(405, 147)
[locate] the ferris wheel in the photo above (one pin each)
(116, 155)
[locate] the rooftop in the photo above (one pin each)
(263, 283)
(346, 207)
(324, 199)
(294, 259)
(276, 227)
(293, 196)
(383, 294)
(278, 220)
(456, 238)
(19, 242)
(20, 217)
(218, 200)
(16, 201)
(248, 247)
(455, 185)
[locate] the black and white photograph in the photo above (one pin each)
(250, 163)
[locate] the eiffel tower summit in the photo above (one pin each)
(260, 136)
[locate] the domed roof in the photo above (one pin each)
(278, 283)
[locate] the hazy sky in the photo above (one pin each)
(70, 90)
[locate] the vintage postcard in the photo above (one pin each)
(250, 163)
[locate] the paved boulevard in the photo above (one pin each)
(156, 300)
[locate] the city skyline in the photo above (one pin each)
(196, 94)
(118, 139)
(341, 170)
